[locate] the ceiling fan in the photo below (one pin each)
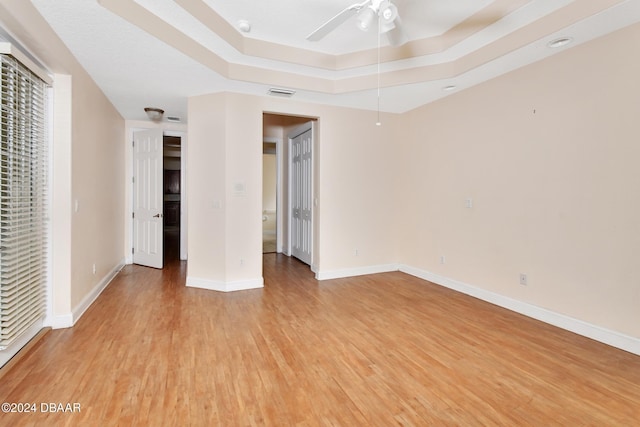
(368, 12)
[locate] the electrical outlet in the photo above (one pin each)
(443, 259)
(94, 268)
(523, 279)
(355, 252)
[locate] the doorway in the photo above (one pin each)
(277, 129)
(172, 188)
(159, 202)
(269, 195)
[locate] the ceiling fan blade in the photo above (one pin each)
(336, 21)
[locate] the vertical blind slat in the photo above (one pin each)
(23, 199)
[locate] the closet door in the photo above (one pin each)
(147, 198)
(301, 196)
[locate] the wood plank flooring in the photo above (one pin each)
(378, 350)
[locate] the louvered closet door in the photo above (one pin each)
(23, 200)
(302, 193)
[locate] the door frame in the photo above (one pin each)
(183, 190)
(279, 201)
(147, 190)
(177, 131)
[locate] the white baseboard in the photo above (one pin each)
(216, 285)
(357, 271)
(603, 335)
(60, 321)
(67, 320)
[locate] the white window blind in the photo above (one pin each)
(23, 199)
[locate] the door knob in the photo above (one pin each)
(157, 215)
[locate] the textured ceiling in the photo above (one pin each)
(160, 52)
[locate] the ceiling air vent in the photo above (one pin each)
(275, 91)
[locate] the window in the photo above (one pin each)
(23, 199)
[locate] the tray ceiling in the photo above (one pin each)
(160, 52)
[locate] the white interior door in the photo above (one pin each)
(148, 198)
(301, 195)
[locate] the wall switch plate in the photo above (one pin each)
(239, 189)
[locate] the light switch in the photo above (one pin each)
(239, 189)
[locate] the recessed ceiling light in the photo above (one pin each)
(244, 25)
(450, 88)
(562, 41)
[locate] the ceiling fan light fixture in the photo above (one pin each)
(385, 27)
(365, 18)
(388, 17)
(388, 13)
(396, 36)
(154, 114)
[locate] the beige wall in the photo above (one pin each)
(88, 168)
(98, 174)
(269, 181)
(354, 198)
(549, 155)
(358, 173)
(206, 188)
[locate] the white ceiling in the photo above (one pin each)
(159, 52)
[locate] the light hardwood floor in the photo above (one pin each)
(379, 350)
